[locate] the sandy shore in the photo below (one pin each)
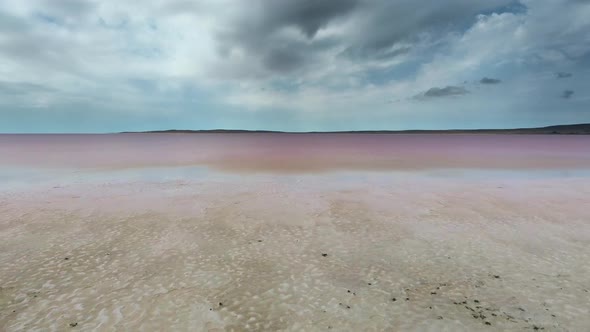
(188, 249)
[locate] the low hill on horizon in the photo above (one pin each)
(571, 129)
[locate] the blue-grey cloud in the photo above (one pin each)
(487, 80)
(563, 75)
(443, 92)
(567, 94)
(22, 88)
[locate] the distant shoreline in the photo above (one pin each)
(569, 129)
(573, 129)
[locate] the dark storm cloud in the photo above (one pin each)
(371, 29)
(307, 15)
(384, 23)
(283, 60)
(567, 94)
(259, 32)
(487, 80)
(563, 75)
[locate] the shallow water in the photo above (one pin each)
(170, 240)
(298, 152)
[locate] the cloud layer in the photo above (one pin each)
(85, 65)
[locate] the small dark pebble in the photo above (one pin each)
(521, 309)
(394, 299)
(65, 259)
(552, 315)
(429, 307)
(488, 323)
(220, 304)
(464, 302)
(407, 299)
(497, 277)
(325, 255)
(432, 293)
(494, 315)
(369, 284)
(347, 307)
(440, 317)
(210, 309)
(476, 301)
(348, 291)
(73, 324)
(259, 240)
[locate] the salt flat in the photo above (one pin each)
(455, 234)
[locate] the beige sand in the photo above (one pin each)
(342, 252)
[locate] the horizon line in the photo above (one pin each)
(584, 126)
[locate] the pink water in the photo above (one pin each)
(297, 152)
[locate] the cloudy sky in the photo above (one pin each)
(297, 65)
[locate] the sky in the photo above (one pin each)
(292, 65)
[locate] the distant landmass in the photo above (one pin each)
(572, 129)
